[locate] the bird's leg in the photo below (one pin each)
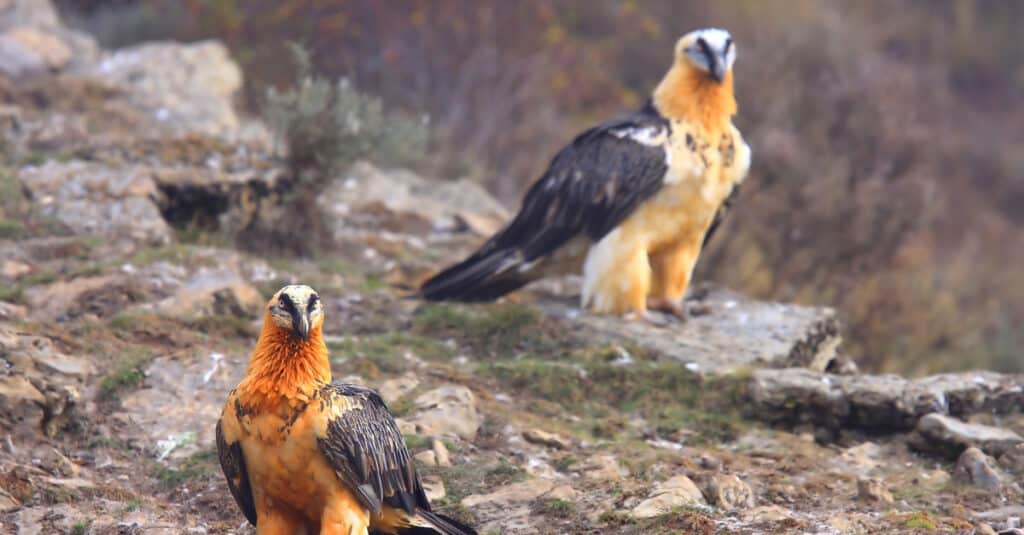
(344, 516)
(671, 268)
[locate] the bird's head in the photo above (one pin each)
(709, 50)
(296, 309)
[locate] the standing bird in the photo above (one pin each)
(631, 201)
(304, 455)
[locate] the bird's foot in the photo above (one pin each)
(668, 306)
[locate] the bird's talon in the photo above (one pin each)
(668, 306)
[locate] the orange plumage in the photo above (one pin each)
(630, 202)
(303, 454)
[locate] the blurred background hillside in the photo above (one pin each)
(887, 180)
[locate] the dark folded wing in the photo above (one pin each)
(233, 464)
(367, 451)
(592, 185)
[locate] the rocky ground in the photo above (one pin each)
(127, 313)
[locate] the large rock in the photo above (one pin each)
(509, 508)
(39, 13)
(40, 387)
(877, 402)
(401, 201)
(939, 433)
(184, 399)
(187, 88)
(25, 51)
(448, 410)
(675, 492)
(90, 198)
(976, 468)
(733, 333)
(213, 292)
(33, 41)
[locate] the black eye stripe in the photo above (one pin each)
(703, 45)
(728, 43)
(313, 300)
(286, 303)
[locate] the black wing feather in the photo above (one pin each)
(590, 187)
(720, 214)
(233, 464)
(368, 451)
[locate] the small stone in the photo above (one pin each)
(668, 495)
(12, 269)
(978, 469)
(729, 492)
(766, 513)
(433, 487)
(393, 389)
(543, 438)
(426, 458)
(562, 492)
(12, 312)
(873, 490)
(448, 410)
(7, 502)
(441, 453)
(602, 468)
(709, 462)
(985, 529)
(524, 491)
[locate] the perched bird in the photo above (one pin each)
(630, 201)
(304, 455)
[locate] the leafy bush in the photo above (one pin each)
(325, 126)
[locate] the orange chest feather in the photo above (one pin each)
(282, 455)
(699, 178)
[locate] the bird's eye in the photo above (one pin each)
(728, 43)
(314, 300)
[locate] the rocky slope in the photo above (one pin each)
(125, 316)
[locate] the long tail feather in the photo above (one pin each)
(484, 276)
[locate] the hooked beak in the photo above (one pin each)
(712, 60)
(301, 323)
(717, 69)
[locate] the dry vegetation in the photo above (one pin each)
(885, 181)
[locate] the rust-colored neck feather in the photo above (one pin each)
(689, 95)
(285, 368)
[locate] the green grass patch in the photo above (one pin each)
(225, 326)
(496, 330)
(373, 355)
(15, 293)
(920, 520)
(417, 443)
(557, 508)
(199, 465)
(464, 479)
(663, 392)
(81, 527)
(177, 253)
(688, 520)
(12, 230)
(127, 375)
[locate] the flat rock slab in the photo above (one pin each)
(939, 433)
(732, 333)
(877, 402)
